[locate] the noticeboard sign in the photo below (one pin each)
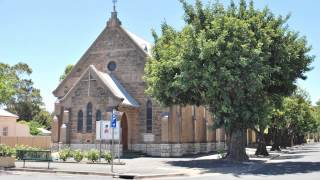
(104, 130)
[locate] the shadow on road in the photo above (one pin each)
(252, 167)
(300, 152)
(287, 168)
(290, 157)
(218, 166)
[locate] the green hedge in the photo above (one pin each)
(92, 155)
(78, 155)
(64, 154)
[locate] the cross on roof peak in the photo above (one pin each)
(114, 21)
(114, 5)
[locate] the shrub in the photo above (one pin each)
(93, 155)
(221, 153)
(77, 155)
(107, 156)
(25, 147)
(6, 151)
(64, 154)
(33, 127)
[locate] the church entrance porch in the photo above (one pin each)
(124, 132)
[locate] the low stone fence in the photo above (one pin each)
(177, 150)
(157, 150)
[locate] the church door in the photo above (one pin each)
(124, 127)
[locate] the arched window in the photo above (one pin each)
(98, 115)
(89, 118)
(149, 116)
(80, 121)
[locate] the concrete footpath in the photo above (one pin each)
(147, 167)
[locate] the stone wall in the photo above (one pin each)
(177, 150)
(156, 150)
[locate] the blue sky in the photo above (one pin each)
(48, 35)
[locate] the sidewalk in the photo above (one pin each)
(147, 167)
(143, 167)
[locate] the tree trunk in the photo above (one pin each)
(291, 141)
(237, 146)
(284, 139)
(301, 139)
(276, 140)
(262, 146)
(228, 140)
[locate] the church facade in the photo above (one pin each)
(110, 75)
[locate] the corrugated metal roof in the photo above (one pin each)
(7, 114)
(143, 44)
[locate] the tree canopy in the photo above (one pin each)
(18, 94)
(316, 114)
(10, 80)
(234, 60)
(293, 120)
(67, 70)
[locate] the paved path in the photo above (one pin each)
(301, 162)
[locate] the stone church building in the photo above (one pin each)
(109, 75)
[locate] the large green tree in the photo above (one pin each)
(233, 60)
(9, 77)
(295, 121)
(317, 111)
(19, 96)
(317, 118)
(276, 125)
(44, 118)
(27, 101)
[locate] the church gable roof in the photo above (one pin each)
(142, 46)
(110, 82)
(118, 89)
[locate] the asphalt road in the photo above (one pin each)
(300, 163)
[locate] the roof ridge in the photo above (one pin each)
(5, 113)
(137, 40)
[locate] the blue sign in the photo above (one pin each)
(114, 120)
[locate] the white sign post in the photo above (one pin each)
(110, 131)
(120, 136)
(113, 126)
(100, 134)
